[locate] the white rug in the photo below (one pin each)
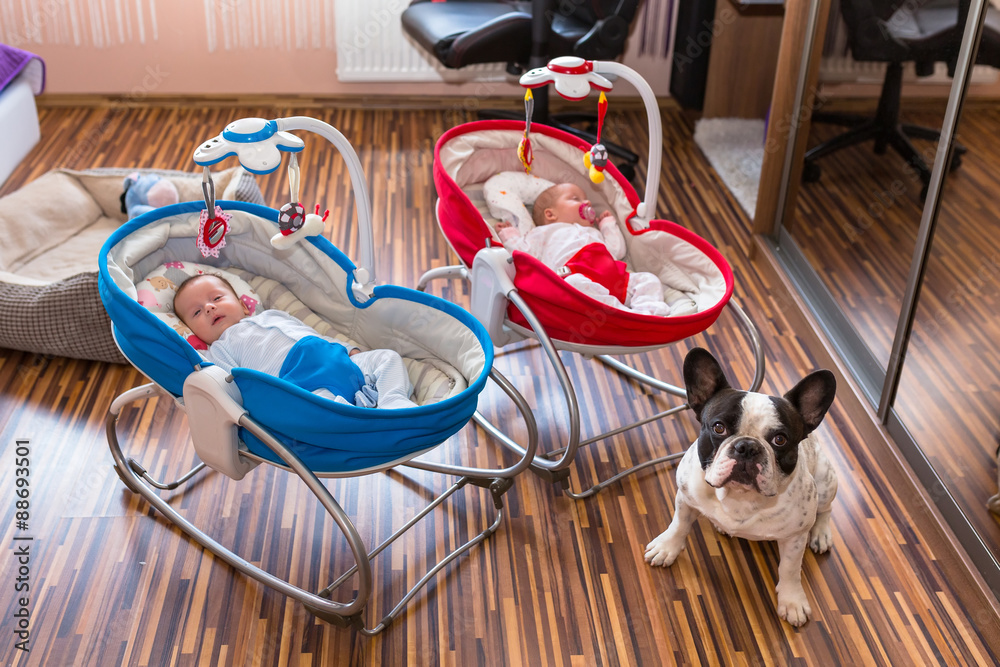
(735, 149)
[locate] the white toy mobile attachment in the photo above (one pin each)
(258, 144)
(574, 78)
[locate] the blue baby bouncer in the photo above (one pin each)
(243, 418)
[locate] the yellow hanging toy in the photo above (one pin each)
(524, 148)
(596, 159)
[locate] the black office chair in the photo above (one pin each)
(525, 35)
(889, 31)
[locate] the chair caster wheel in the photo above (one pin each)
(811, 172)
(956, 160)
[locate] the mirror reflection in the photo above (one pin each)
(884, 83)
(949, 392)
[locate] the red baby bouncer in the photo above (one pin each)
(517, 297)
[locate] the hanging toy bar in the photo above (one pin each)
(258, 144)
(573, 78)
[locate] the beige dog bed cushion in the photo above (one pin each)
(53, 230)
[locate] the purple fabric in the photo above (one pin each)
(13, 61)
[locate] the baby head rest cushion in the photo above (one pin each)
(156, 293)
(509, 194)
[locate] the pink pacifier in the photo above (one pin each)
(587, 212)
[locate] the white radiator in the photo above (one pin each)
(371, 46)
(844, 69)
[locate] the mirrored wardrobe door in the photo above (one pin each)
(900, 261)
(948, 396)
(872, 139)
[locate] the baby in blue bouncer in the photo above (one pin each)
(277, 343)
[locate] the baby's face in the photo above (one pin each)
(208, 306)
(569, 205)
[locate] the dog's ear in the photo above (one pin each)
(703, 378)
(813, 396)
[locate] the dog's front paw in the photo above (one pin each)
(794, 607)
(663, 550)
(821, 537)
(994, 504)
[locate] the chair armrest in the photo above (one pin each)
(214, 407)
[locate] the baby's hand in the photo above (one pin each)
(506, 231)
(605, 217)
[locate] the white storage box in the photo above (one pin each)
(18, 124)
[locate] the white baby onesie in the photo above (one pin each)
(262, 342)
(556, 243)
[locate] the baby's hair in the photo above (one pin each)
(544, 201)
(190, 279)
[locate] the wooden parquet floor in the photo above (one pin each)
(561, 583)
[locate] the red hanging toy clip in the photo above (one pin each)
(524, 153)
(596, 159)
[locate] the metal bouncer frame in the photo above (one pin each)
(217, 416)
(344, 614)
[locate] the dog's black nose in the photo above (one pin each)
(746, 448)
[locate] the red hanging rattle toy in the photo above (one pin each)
(596, 159)
(524, 153)
(213, 223)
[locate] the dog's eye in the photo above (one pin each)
(719, 428)
(779, 440)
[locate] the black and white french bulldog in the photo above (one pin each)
(755, 473)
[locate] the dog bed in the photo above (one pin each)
(53, 229)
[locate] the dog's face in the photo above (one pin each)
(750, 440)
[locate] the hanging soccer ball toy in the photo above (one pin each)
(596, 159)
(524, 153)
(292, 216)
(293, 221)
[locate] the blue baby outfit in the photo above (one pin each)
(314, 363)
(279, 344)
